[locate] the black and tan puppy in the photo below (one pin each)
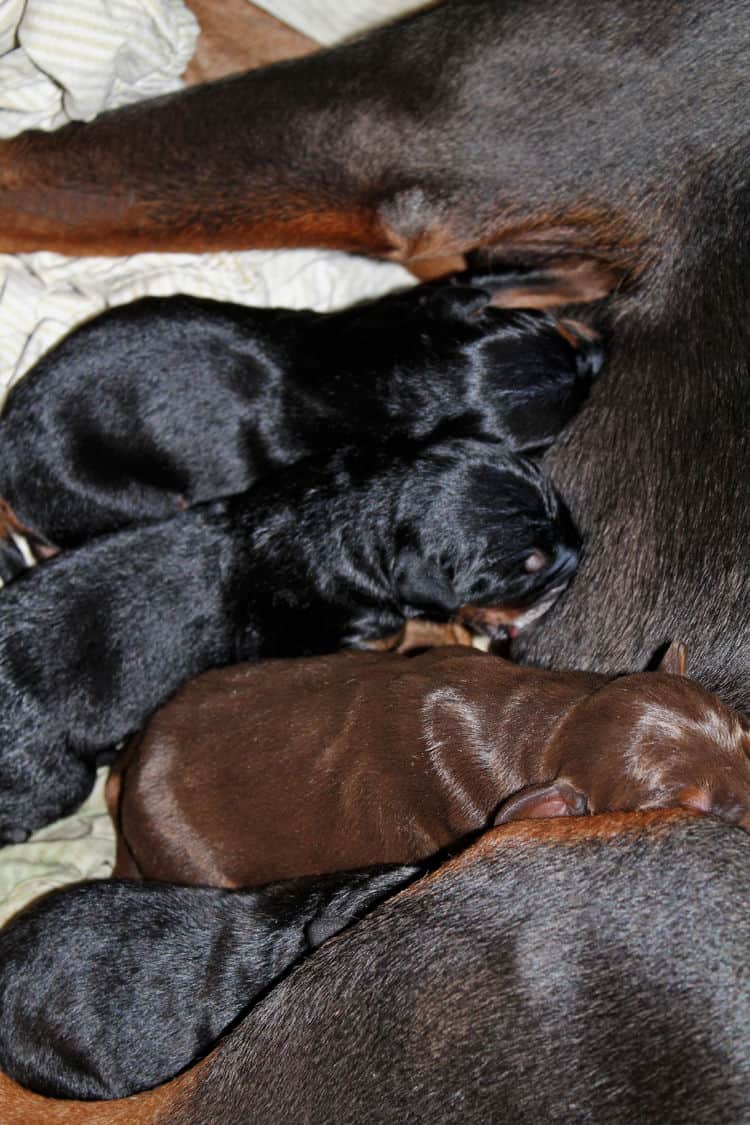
(168, 402)
(324, 554)
(111, 987)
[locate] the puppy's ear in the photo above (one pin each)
(421, 583)
(565, 282)
(674, 659)
(352, 897)
(539, 802)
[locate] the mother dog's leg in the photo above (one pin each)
(545, 129)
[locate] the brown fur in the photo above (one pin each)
(260, 772)
(19, 1106)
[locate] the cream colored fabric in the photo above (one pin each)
(78, 847)
(70, 59)
(328, 21)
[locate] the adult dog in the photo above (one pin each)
(329, 552)
(171, 401)
(609, 143)
(586, 969)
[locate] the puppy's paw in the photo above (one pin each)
(13, 834)
(35, 792)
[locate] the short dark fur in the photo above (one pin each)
(593, 969)
(569, 970)
(324, 554)
(553, 132)
(171, 401)
(107, 988)
(296, 767)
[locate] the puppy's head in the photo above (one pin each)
(540, 371)
(482, 539)
(647, 740)
(663, 740)
(525, 373)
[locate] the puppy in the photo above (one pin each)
(110, 987)
(326, 553)
(296, 767)
(168, 402)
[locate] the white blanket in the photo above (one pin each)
(327, 21)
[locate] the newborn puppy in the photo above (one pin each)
(328, 553)
(111, 987)
(259, 772)
(167, 402)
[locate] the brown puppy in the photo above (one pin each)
(258, 772)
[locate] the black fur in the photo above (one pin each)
(547, 976)
(109, 987)
(328, 552)
(171, 401)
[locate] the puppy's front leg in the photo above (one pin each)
(91, 644)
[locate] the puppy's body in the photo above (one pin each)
(297, 767)
(324, 554)
(111, 987)
(172, 401)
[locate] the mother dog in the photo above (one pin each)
(608, 143)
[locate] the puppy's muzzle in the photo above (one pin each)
(552, 574)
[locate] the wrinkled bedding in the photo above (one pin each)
(61, 62)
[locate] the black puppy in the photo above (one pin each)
(326, 553)
(109, 987)
(171, 401)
